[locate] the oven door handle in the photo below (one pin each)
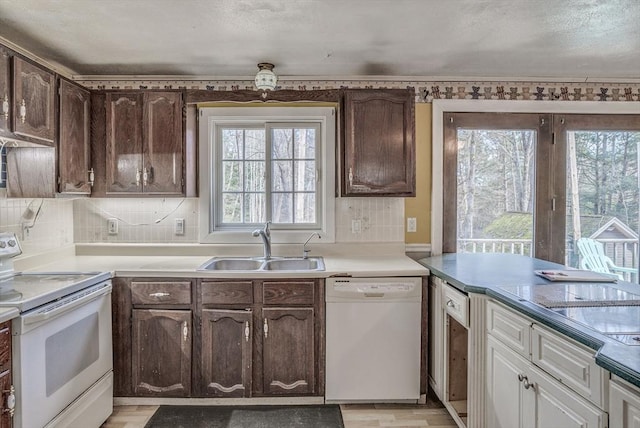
(63, 307)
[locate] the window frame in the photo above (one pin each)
(442, 107)
(211, 119)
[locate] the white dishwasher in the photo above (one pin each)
(373, 339)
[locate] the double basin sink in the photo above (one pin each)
(260, 264)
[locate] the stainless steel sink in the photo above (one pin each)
(258, 264)
(231, 264)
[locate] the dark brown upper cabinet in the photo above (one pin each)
(378, 157)
(5, 91)
(144, 143)
(76, 175)
(33, 102)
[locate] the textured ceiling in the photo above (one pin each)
(551, 39)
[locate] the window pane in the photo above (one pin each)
(281, 209)
(305, 143)
(305, 211)
(255, 144)
(282, 176)
(231, 176)
(495, 190)
(305, 175)
(603, 201)
(254, 176)
(282, 144)
(232, 143)
(254, 208)
(232, 207)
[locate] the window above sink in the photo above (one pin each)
(274, 164)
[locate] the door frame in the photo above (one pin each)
(440, 107)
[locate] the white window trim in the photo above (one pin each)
(440, 107)
(208, 118)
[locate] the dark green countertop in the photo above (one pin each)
(485, 273)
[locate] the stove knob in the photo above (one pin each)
(3, 244)
(11, 243)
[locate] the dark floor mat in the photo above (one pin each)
(321, 416)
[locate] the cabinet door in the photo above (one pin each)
(226, 353)
(5, 90)
(506, 400)
(124, 142)
(163, 146)
(74, 145)
(6, 418)
(556, 406)
(161, 351)
(379, 146)
(624, 405)
(288, 351)
(33, 101)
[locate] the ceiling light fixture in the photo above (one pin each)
(266, 79)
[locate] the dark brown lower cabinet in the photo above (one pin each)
(226, 353)
(250, 338)
(161, 352)
(288, 351)
(6, 414)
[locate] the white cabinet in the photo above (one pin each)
(624, 404)
(519, 395)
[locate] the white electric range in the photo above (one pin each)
(61, 347)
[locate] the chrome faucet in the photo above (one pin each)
(265, 234)
(305, 252)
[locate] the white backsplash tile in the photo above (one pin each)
(40, 224)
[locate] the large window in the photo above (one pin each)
(560, 187)
(266, 164)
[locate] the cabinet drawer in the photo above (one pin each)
(570, 363)
(510, 328)
(150, 293)
(5, 346)
(288, 293)
(456, 304)
(227, 293)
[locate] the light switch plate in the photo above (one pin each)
(112, 226)
(412, 225)
(179, 226)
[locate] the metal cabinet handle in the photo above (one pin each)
(10, 404)
(5, 107)
(350, 176)
(185, 331)
(528, 384)
(137, 176)
(159, 294)
(23, 111)
(145, 176)
(92, 177)
(266, 329)
(521, 377)
(246, 331)
(451, 303)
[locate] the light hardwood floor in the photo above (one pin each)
(431, 415)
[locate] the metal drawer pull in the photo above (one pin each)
(92, 177)
(521, 377)
(145, 176)
(266, 329)
(246, 331)
(10, 404)
(528, 385)
(137, 176)
(159, 294)
(5, 107)
(185, 331)
(451, 303)
(350, 176)
(23, 111)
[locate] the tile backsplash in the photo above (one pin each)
(381, 220)
(40, 224)
(47, 224)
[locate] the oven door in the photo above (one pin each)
(60, 350)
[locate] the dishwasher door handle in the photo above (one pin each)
(373, 294)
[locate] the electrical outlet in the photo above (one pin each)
(179, 226)
(356, 226)
(112, 226)
(412, 225)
